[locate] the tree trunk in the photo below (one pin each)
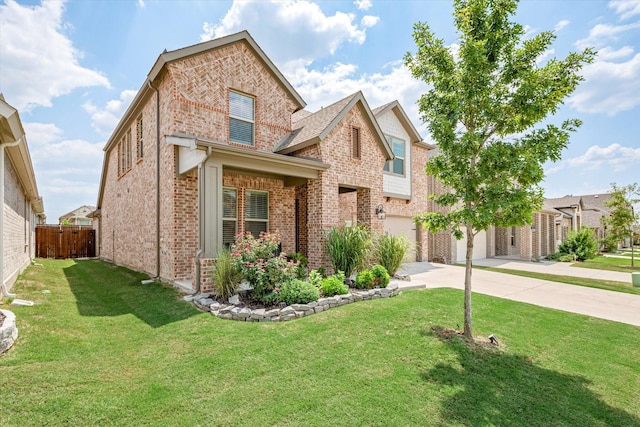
(468, 331)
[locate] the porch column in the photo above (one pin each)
(210, 212)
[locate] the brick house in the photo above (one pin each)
(22, 207)
(79, 216)
(217, 142)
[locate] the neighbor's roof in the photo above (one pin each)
(564, 202)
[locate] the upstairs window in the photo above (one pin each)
(396, 166)
(256, 212)
(229, 216)
(355, 143)
(124, 154)
(241, 118)
(139, 134)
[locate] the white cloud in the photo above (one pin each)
(625, 8)
(609, 53)
(615, 157)
(39, 62)
(310, 34)
(609, 87)
(560, 25)
(105, 120)
(67, 170)
(363, 4)
(324, 87)
(604, 33)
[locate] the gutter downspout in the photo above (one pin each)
(5, 291)
(157, 178)
(201, 186)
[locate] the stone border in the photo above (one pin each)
(8, 331)
(295, 311)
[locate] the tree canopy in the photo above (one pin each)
(488, 93)
(622, 216)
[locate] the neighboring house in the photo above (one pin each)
(574, 212)
(80, 216)
(22, 205)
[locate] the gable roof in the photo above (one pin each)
(565, 202)
(167, 57)
(404, 121)
(81, 210)
(312, 128)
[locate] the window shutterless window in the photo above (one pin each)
(396, 166)
(139, 134)
(241, 118)
(256, 213)
(229, 216)
(355, 143)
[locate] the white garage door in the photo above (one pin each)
(402, 226)
(479, 246)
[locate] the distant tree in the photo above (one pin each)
(622, 216)
(486, 97)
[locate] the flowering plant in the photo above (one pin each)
(257, 260)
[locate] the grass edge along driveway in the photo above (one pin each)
(101, 349)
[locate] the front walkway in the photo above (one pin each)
(610, 305)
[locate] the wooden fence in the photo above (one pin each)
(65, 241)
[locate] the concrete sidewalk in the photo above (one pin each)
(610, 305)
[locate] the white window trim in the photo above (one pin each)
(389, 163)
(244, 119)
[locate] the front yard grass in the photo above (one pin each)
(102, 349)
(609, 285)
(610, 263)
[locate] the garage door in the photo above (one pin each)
(402, 226)
(479, 246)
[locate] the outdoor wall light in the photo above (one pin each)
(380, 212)
(533, 228)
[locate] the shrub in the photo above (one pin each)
(554, 256)
(334, 285)
(315, 278)
(380, 276)
(302, 264)
(298, 292)
(390, 251)
(226, 277)
(256, 260)
(609, 243)
(347, 247)
(364, 279)
(566, 258)
(581, 244)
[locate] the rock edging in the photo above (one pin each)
(8, 331)
(205, 302)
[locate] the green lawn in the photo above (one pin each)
(102, 350)
(611, 264)
(609, 285)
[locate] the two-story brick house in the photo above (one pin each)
(217, 142)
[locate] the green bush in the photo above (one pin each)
(390, 251)
(554, 256)
(364, 280)
(609, 243)
(334, 285)
(302, 264)
(315, 278)
(347, 247)
(581, 244)
(566, 258)
(380, 276)
(226, 277)
(298, 292)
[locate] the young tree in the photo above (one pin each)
(622, 216)
(487, 94)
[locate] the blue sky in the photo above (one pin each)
(71, 68)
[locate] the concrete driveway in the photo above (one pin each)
(610, 305)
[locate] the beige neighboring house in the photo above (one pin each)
(22, 205)
(573, 212)
(79, 216)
